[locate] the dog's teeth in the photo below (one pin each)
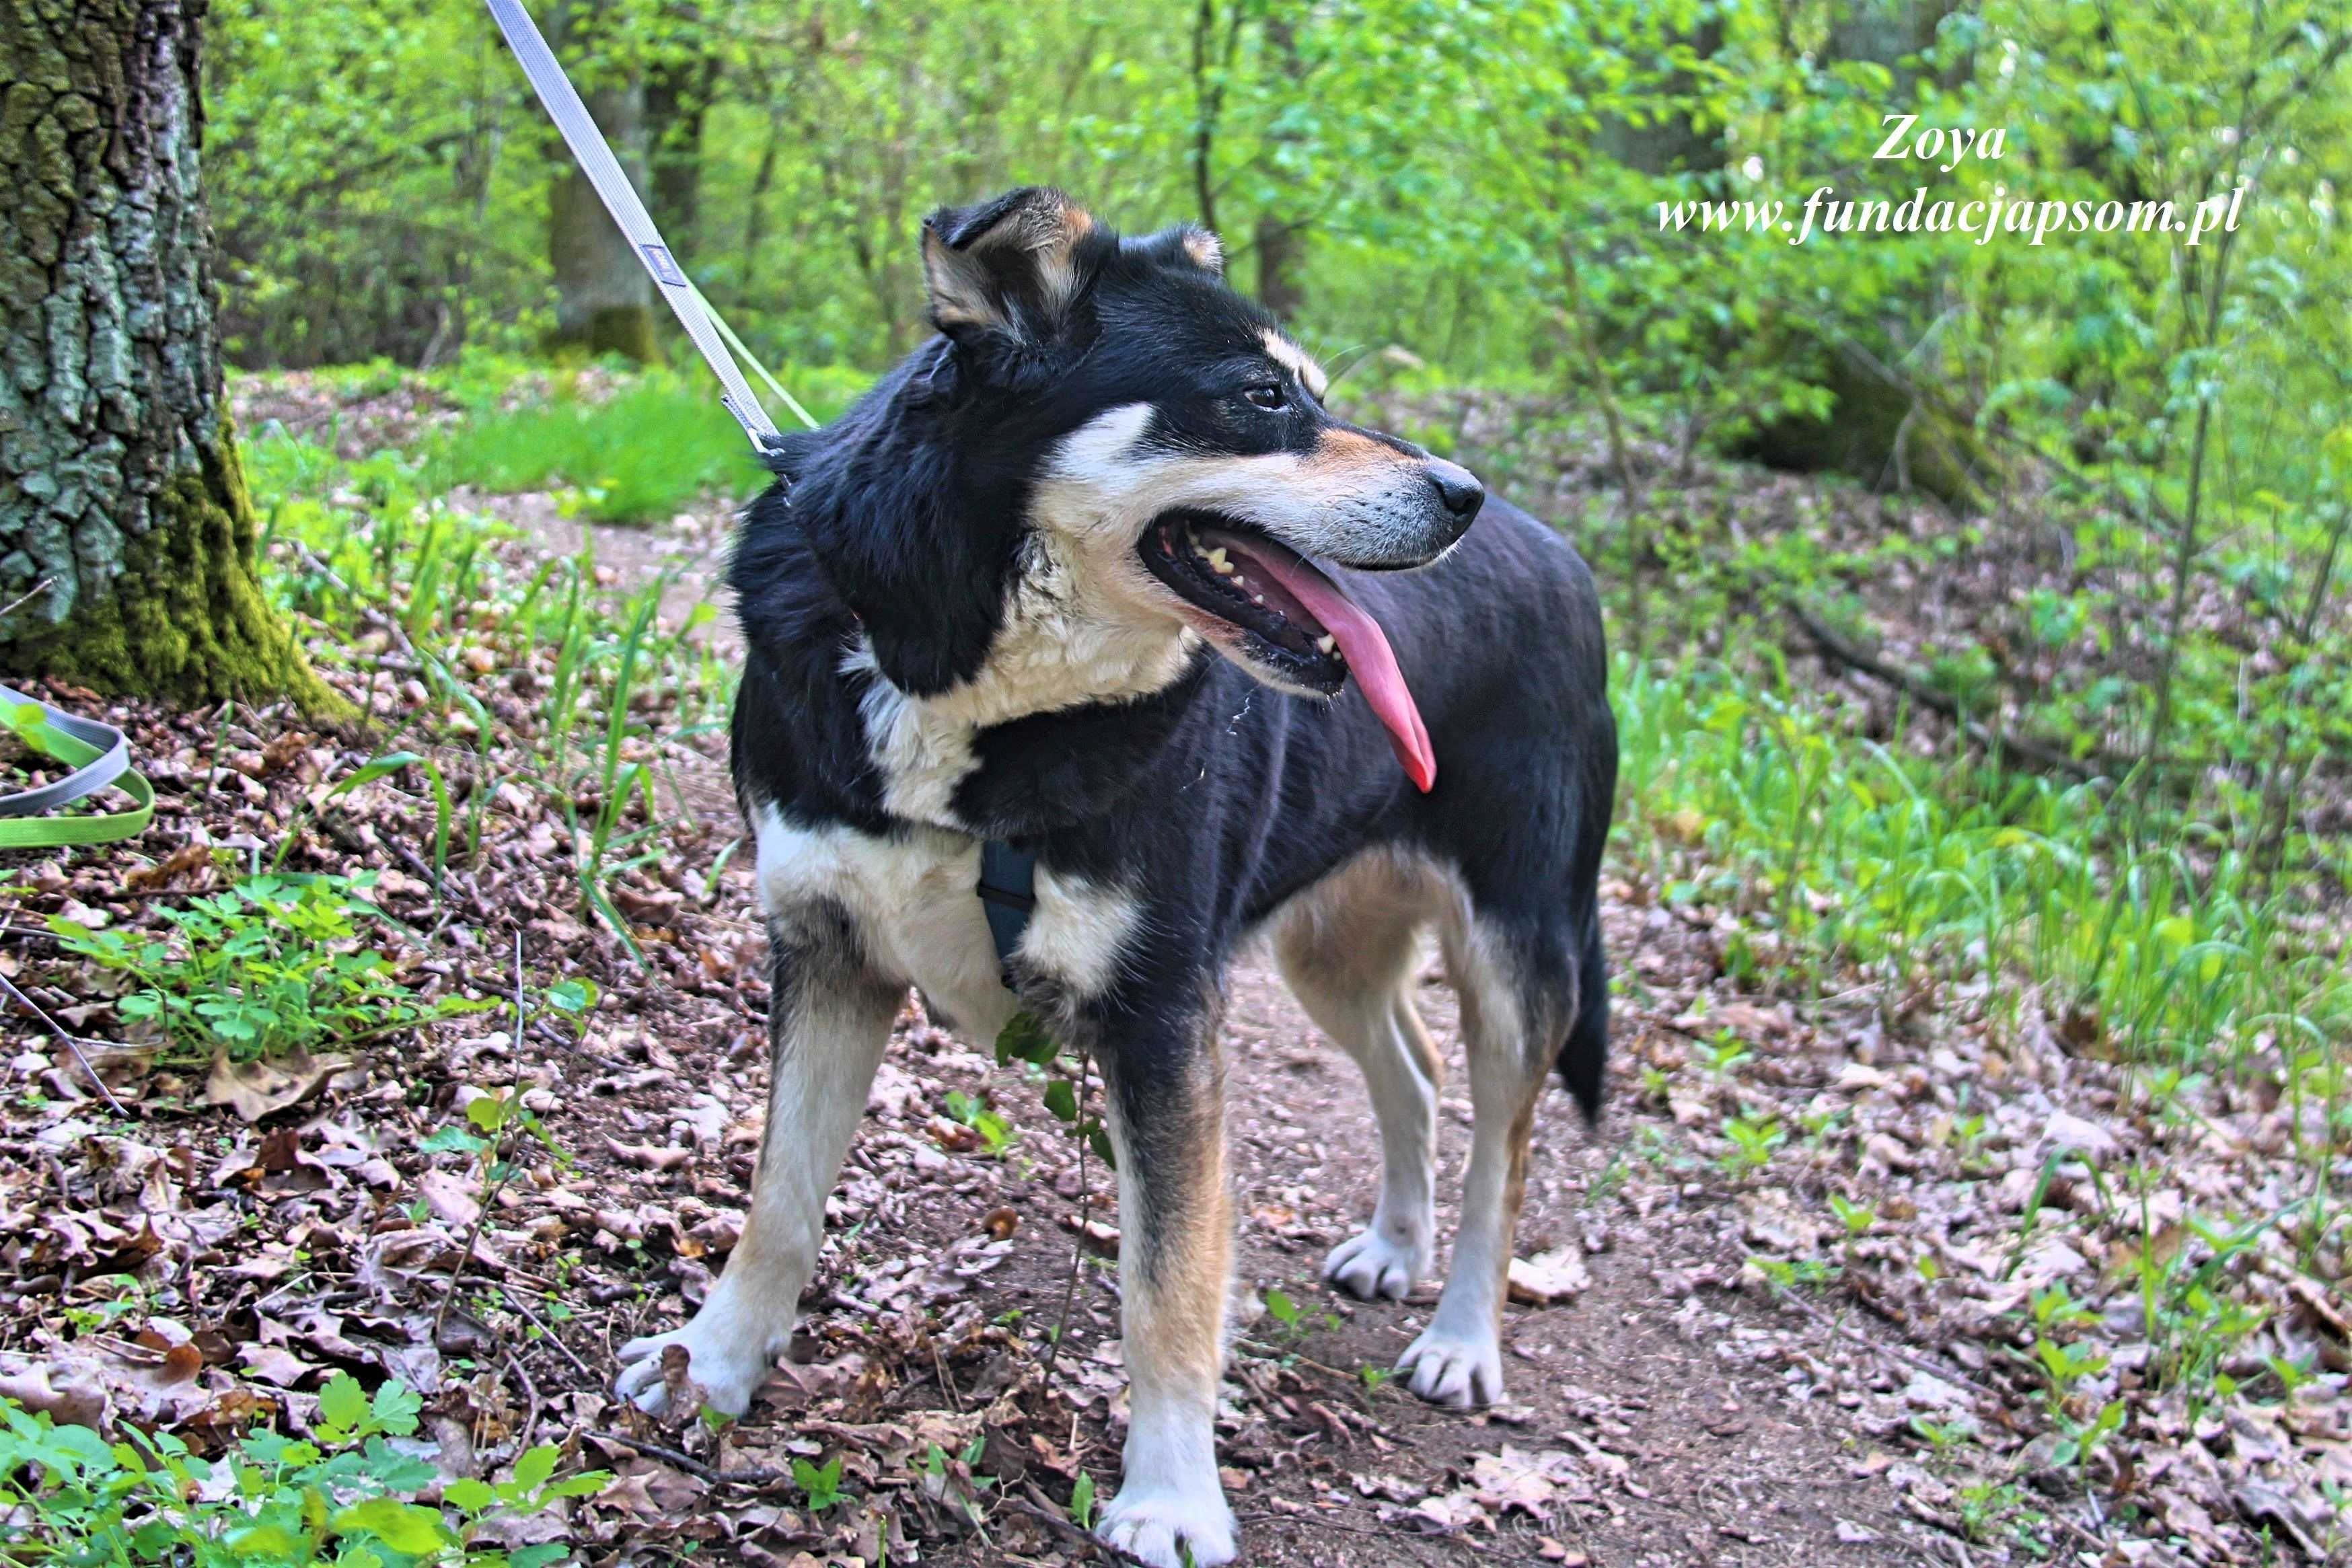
(1216, 559)
(1257, 599)
(1327, 644)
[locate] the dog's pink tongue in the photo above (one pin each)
(1372, 662)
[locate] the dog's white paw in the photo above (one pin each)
(1371, 1264)
(726, 1368)
(1449, 1369)
(1149, 1521)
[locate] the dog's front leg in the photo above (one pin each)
(1165, 1084)
(828, 1021)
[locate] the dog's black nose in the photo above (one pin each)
(1457, 488)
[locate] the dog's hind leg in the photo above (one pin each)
(1348, 949)
(1166, 1093)
(829, 1020)
(1458, 1360)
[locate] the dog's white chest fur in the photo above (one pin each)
(912, 898)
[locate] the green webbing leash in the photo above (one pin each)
(99, 754)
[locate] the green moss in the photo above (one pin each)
(187, 619)
(626, 330)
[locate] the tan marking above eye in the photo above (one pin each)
(1294, 360)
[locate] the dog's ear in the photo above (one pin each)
(1182, 245)
(1007, 270)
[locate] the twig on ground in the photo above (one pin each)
(1917, 1364)
(530, 1392)
(1984, 735)
(1078, 1238)
(490, 1197)
(758, 1476)
(29, 1005)
(1070, 1528)
(569, 1354)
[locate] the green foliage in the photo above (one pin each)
(346, 1496)
(1851, 853)
(656, 447)
(996, 1134)
(820, 1487)
(275, 963)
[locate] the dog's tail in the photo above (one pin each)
(1584, 1055)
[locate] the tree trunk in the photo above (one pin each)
(1277, 244)
(1671, 143)
(678, 99)
(126, 535)
(1878, 431)
(603, 298)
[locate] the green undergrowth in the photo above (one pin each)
(347, 1494)
(623, 446)
(2139, 938)
(650, 450)
(537, 672)
(270, 965)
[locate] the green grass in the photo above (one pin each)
(655, 446)
(1842, 855)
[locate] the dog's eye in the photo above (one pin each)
(1266, 395)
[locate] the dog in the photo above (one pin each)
(1095, 572)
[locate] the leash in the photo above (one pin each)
(99, 754)
(604, 171)
(1007, 886)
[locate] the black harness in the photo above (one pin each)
(1008, 894)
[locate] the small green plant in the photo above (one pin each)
(1857, 1218)
(488, 1136)
(1753, 1139)
(1724, 1051)
(2055, 1307)
(1293, 1322)
(1943, 1437)
(996, 1134)
(1082, 1501)
(347, 1495)
(2079, 1440)
(1991, 1511)
(820, 1485)
(2063, 1366)
(1791, 1273)
(275, 963)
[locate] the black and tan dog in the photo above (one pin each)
(1096, 572)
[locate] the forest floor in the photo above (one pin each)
(1783, 1305)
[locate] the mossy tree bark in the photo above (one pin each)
(126, 535)
(1880, 431)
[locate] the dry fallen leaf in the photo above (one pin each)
(1551, 1277)
(257, 1089)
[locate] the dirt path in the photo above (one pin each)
(1665, 1416)
(1661, 1412)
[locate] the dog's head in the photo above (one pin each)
(1108, 415)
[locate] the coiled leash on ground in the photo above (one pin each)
(99, 754)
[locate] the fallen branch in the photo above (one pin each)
(758, 1476)
(1903, 1357)
(1996, 740)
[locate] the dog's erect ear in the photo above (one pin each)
(1008, 266)
(1182, 245)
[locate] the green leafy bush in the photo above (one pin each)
(349, 1496)
(275, 963)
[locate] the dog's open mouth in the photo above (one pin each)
(1293, 619)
